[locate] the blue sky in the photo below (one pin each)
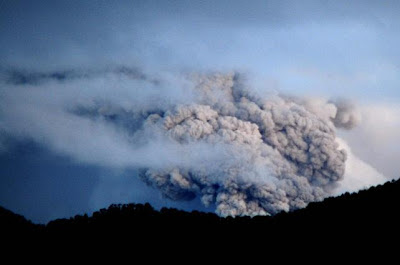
(315, 48)
(328, 46)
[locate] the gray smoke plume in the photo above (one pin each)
(280, 152)
(347, 116)
(202, 135)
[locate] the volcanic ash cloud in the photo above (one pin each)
(277, 153)
(198, 135)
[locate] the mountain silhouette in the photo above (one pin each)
(367, 212)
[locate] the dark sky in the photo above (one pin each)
(43, 185)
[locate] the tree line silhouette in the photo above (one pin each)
(375, 209)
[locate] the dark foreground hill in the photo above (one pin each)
(367, 212)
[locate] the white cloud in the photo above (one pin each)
(358, 174)
(376, 139)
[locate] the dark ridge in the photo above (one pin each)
(12, 223)
(371, 211)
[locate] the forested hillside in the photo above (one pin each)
(364, 212)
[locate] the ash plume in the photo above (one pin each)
(280, 153)
(201, 135)
(347, 116)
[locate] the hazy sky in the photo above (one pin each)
(333, 46)
(317, 48)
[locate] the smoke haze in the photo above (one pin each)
(206, 135)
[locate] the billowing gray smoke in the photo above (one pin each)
(279, 152)
(201, 135)
(347, 116)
